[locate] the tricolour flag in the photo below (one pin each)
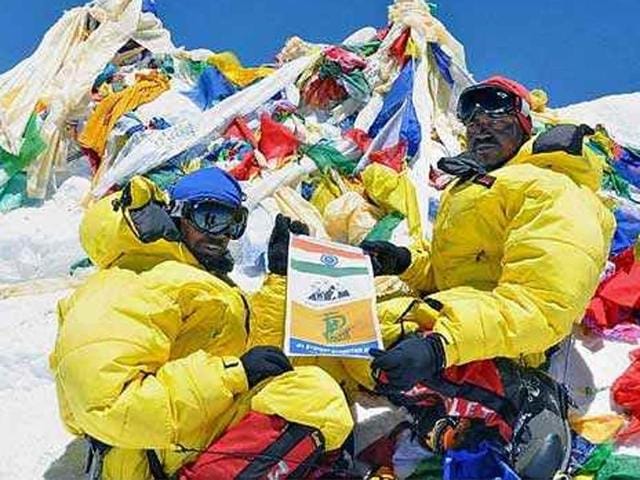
(330, 300)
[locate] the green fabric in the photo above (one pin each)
(357, 86)
(354, 83)
(598, 149)
(32, 146)
(597, 459)
(321, 269)
(620, 467)
(326, 156)
(613, 182)
(166, 64)
(329, 69)
(14, 194)
(428, 469)
(607, 466)
(383, 230)
(364, 49)
(165, 177)
(196, 68)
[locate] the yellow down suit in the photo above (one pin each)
(147, 352)
(514, 261)
(511, 267)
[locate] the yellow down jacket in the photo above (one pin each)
(147, 356)
(109, 237)
(514, 263)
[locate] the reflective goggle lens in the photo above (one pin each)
(218, 219)
(492, 101)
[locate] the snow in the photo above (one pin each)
(43, 242)
(36, 243)
(32, 435)
(40, 243)
(619, 113)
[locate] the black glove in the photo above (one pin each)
(386, 258)
(413, 359)
(152, 222)
(278, 251)
(264, 362)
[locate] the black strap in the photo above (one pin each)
(96, 452)
(124, 200)
(302, 470)
(400, 320)
(288, 439)
(247, 313)
(157, 472)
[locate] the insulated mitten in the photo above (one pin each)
(563, 137)
(463, 166)
(387, 258)
(278, 250)
(264, 362)
(413, 359)
(152, 222)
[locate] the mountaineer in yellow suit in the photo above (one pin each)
(150, 360)
(513, 262)
(520, 239)
(519, 243)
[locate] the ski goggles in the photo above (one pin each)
(215, 218)
(493, 101)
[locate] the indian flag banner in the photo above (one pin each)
(330, 300)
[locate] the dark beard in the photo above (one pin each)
(216, 264)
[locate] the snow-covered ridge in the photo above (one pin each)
(620, 114)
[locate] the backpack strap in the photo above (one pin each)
(155, 466)
(96, 452)
(307, 441)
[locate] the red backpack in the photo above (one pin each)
(259, 447)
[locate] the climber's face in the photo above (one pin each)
(210, 250)
(203, 243)
(494, 140)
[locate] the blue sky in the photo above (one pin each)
(576, 50)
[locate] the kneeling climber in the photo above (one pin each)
(150, 360)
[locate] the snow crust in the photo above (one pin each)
(620, 114)
(32, 436)
(43, 242)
